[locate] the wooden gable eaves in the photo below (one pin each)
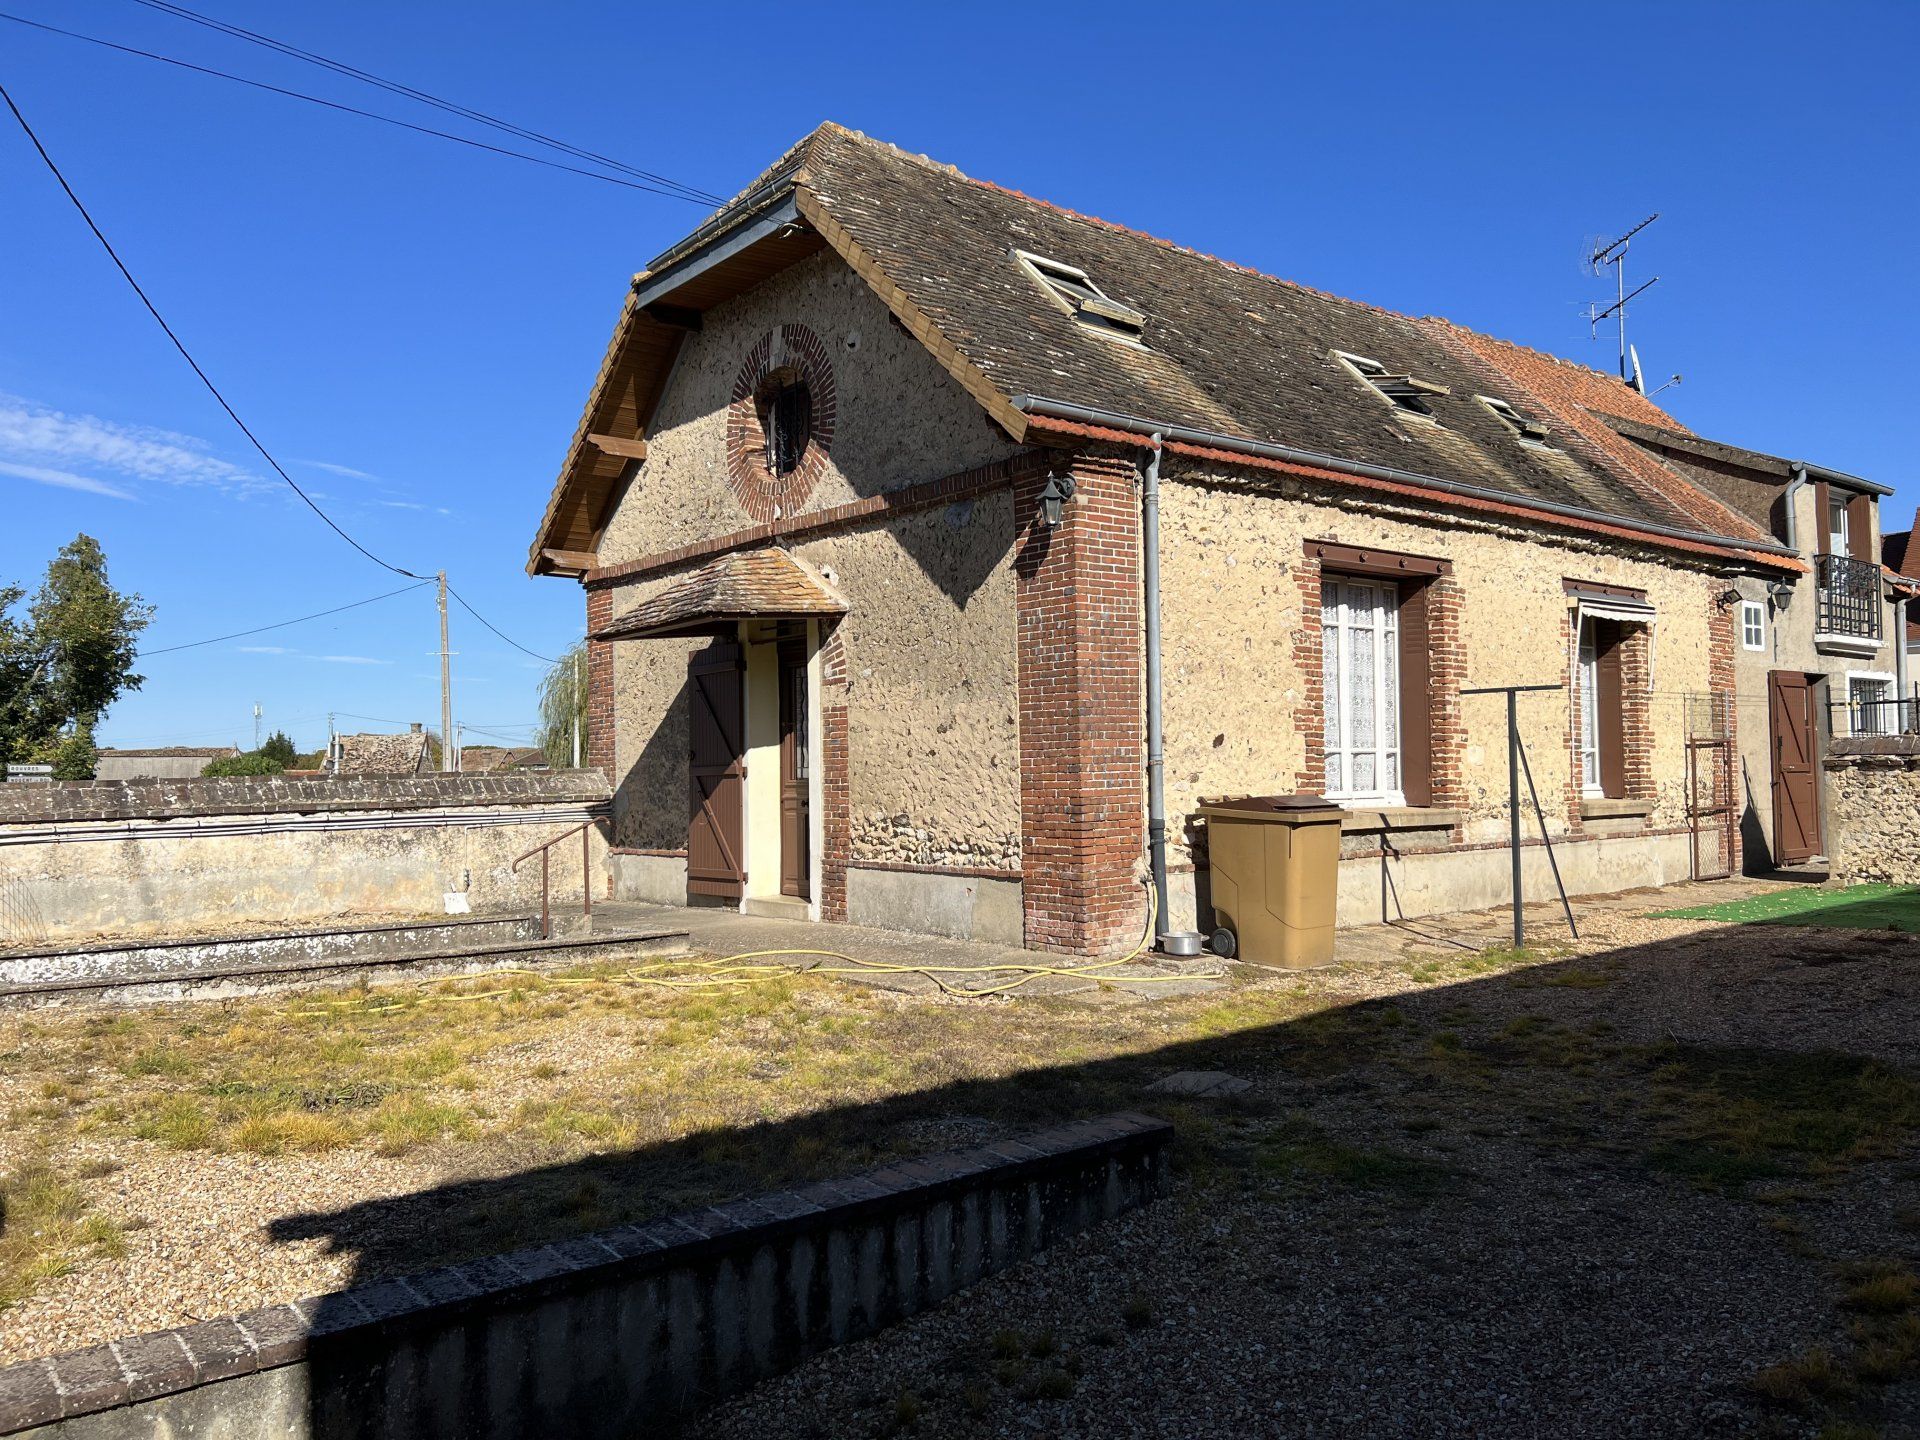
(990, 397)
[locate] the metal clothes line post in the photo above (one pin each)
(1513, 693)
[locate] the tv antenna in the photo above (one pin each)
(1614, 253)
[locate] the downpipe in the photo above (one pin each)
(1166, 939)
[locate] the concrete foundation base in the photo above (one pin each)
(656, 879)
(965, 907)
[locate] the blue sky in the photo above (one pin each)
(411, 326)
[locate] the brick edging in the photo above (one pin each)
(144, 1367)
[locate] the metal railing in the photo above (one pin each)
(585, 831)
(1848, 596)
(1892, 716)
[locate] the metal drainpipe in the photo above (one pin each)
(1177, 943)
(1787, 500)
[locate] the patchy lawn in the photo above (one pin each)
(1854, 907)
(1661, 1180)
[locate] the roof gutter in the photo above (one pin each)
(1840, 477)
(1089, 415)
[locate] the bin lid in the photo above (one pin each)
(1279, 806)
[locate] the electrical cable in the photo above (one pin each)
(548, 659)
(186, 354)
(238, 32)
(282, 624)
(351, 109)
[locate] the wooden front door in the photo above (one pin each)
(716, 850)
(1796, 791)
(795, 854)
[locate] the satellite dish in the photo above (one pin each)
(1639, 381)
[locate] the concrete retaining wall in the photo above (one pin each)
(615, 1334)
(142, 856)
(966, 906)
(1873, 809)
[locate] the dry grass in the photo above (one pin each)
(46, 1228)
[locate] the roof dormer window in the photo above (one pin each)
(1074, 291)
(1528, 432)
(1408, 394)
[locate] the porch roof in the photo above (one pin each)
(767, 584)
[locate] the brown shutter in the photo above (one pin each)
(1860, 527)
(717, 770)
(1416, 697)
(1612, 707)
(1822, 509)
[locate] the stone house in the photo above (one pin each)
(376, 753)
(900, 497)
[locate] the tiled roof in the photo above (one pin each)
(195, 752)
(402, 754)
(743, 586)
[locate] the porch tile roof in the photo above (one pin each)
(747, 585)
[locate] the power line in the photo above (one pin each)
(281, 624)
(674, 194)
(254, 37)
(496, 630)
(186, 354)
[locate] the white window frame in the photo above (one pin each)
(1337, 695)
(1513, 420)
(1753, 625)
(1038, 268)
(1587, 683)
(1366, 371)
(1839, 522)
(1887, 682)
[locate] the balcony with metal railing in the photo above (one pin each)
(1848, 597)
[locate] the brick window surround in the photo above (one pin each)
(1432, 736)
(1082, 756)
(1626, 714)
(790, 353)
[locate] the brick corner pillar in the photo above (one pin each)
(836, 809)
(1723, 640)
(600, 722)
(1082, 729)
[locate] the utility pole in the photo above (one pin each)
(446, 683)
(256, 724)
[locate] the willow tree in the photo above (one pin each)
(563, 708)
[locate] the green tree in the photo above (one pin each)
(75, 757)
(279, 748)
(563, 707)
(253, 762)
(72, 655)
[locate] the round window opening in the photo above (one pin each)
(784, 404)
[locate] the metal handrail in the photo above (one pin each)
(584, 830)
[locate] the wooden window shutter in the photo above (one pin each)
(1612, 707)
(1416, 696)
(1860, 527)
(1823, 510)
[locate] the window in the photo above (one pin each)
(1839, 517)
(1870, 708)
(1602, 709)
(1360, 658)
(1528, 432)
(1406, 393)
(786, 418)
(1753, 625)
(1074, 291)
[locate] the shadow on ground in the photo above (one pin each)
(1597, 1195)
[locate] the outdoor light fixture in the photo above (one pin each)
(1780, 591)
(1054, 496)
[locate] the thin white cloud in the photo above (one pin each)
(351, 660)
(347, 470)
(263, 650)
(402, 505)
(65, 480)
(31, 433)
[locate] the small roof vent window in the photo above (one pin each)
(1074, 291)
(1408, 394)
(1528, 432)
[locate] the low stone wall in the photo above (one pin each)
(127, 857)
(615, 1334)
(1873, 809)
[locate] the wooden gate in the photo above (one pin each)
(1796, 791)
(716, 723)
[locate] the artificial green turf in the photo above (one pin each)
(1857, 907)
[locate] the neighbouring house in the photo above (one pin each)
(490, 759)
(1821, 654)
(175, 762)
(864, 502)
(406, 753)
(1902, 556)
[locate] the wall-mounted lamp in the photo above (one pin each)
(1780, 591)
(1054, 496)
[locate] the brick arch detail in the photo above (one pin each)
(762, 494)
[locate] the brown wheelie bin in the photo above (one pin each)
(1275, 863)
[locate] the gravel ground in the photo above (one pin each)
(1436, 1215)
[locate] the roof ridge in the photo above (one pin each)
(1541, 354)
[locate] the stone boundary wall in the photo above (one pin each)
(1873, 809)
(613, 1334)
(133, 857)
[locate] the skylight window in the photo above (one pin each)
(1528, 432)
(1074, 291)
(1408, 394)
